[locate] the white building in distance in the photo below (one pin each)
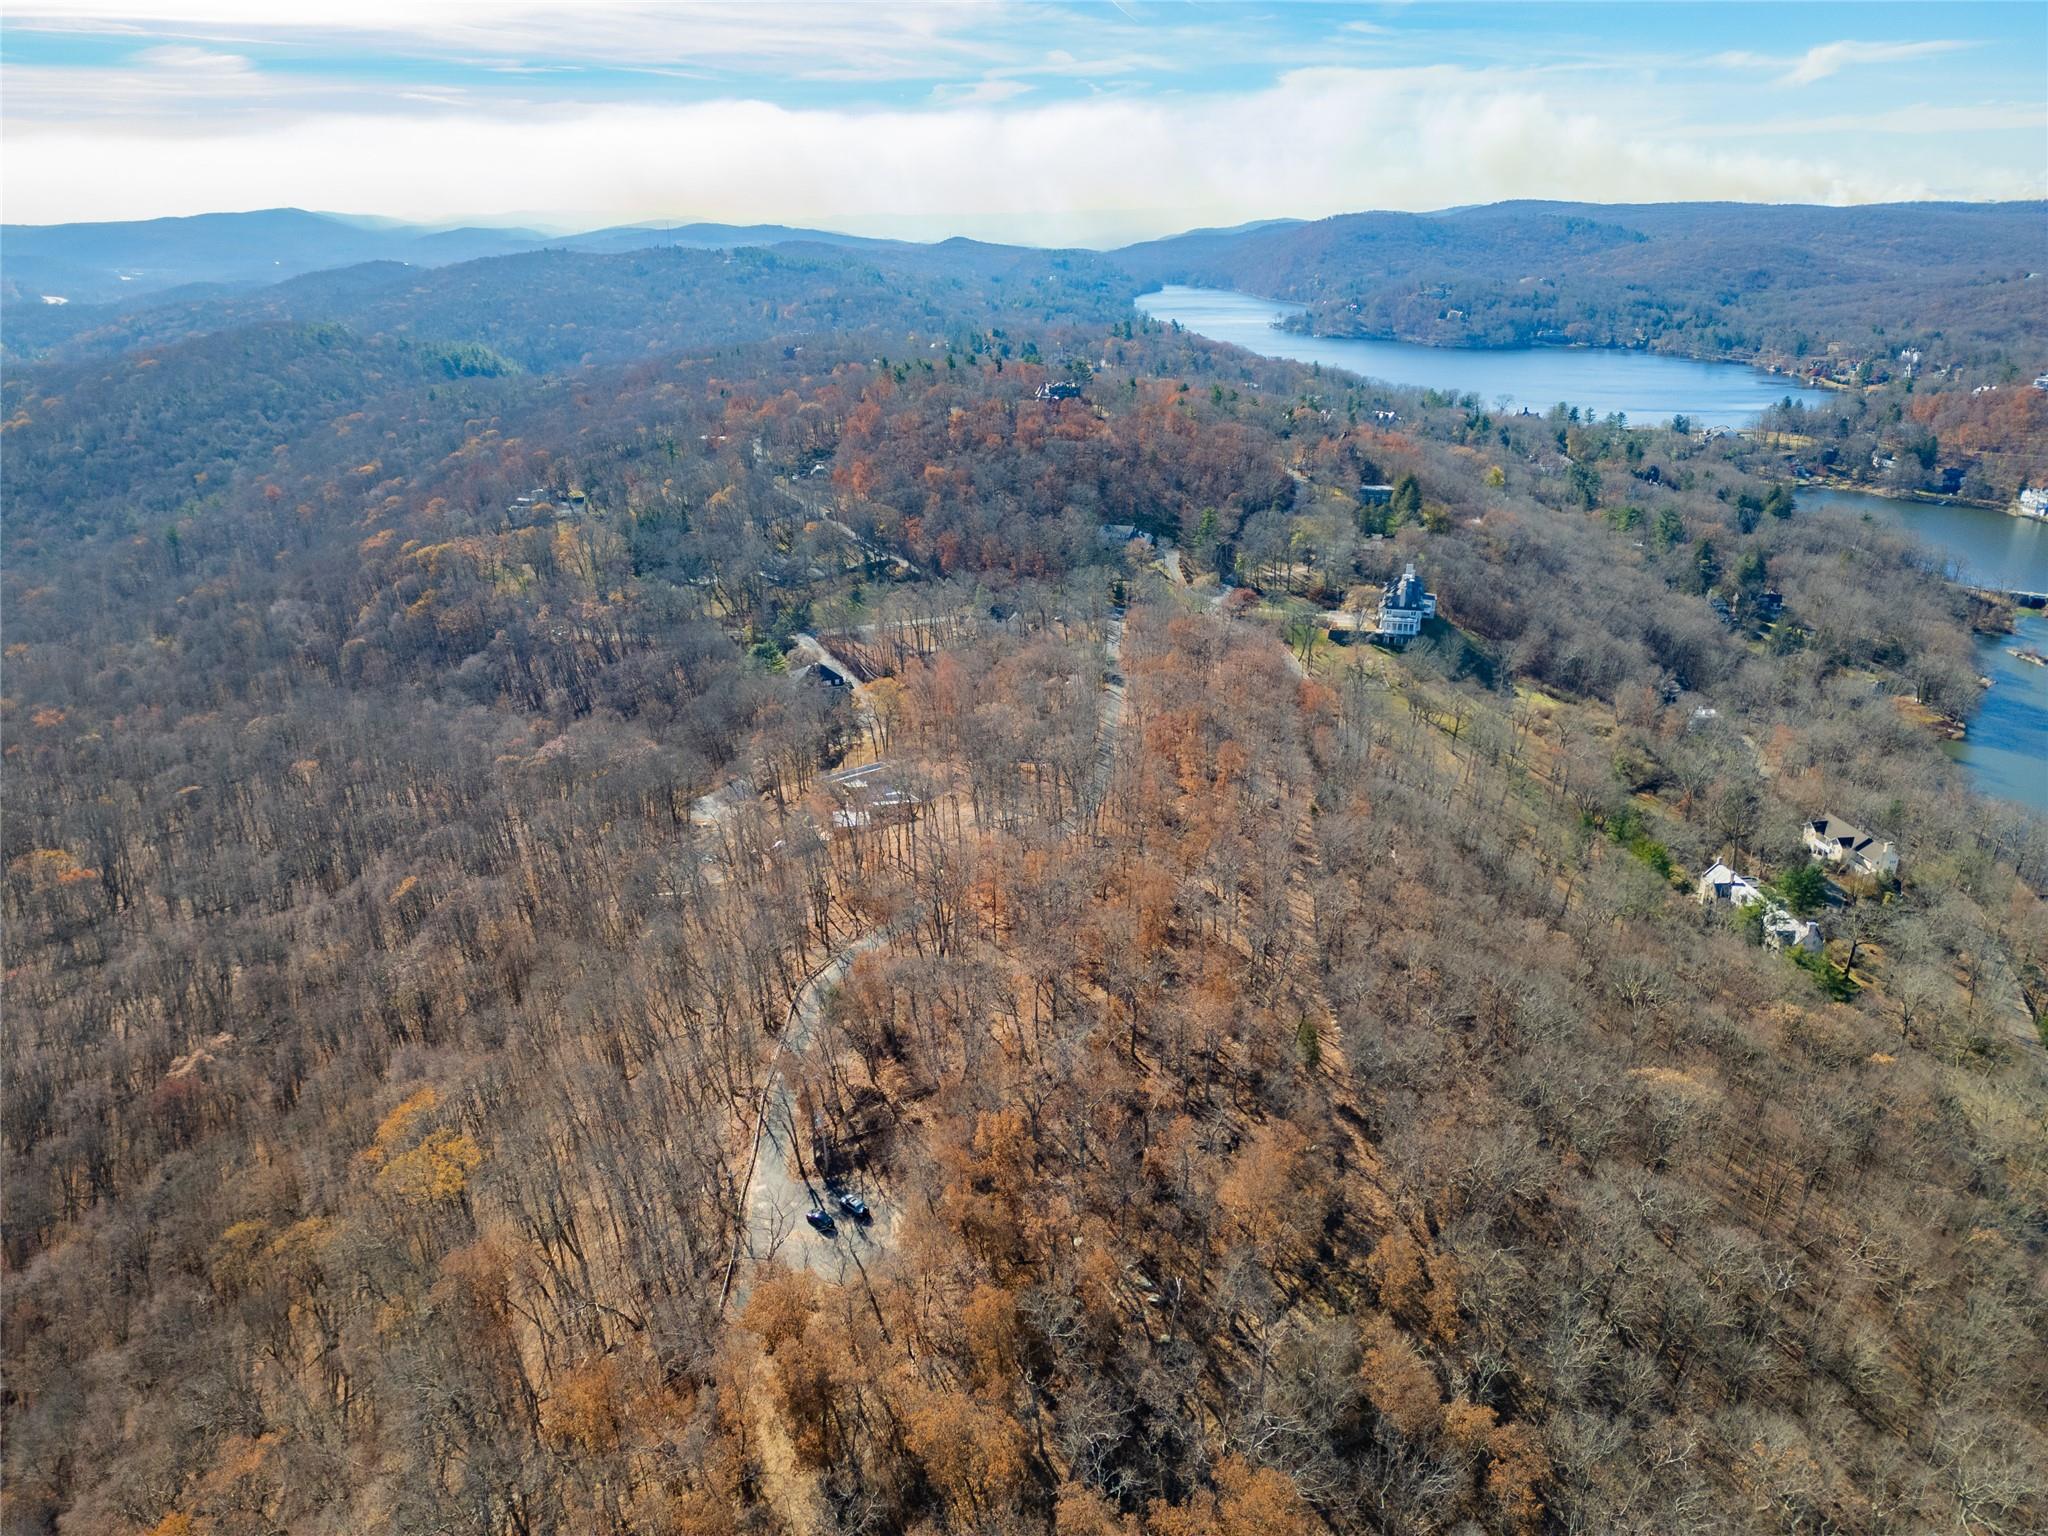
(1403, 606)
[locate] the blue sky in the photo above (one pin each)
(1051, 123)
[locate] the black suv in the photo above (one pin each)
(852, 1204)
(821, 1220)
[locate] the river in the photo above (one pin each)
(1645, 386)
(2006, 751)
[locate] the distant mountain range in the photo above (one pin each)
(1825, 287)
(122, 262)
(1627, 242)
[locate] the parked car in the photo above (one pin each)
(853, 1205)
(821, 1221)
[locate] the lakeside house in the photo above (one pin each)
(1404, 604)
(2033, 503)
(1720, 883)
(1835, 841)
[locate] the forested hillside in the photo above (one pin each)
(554, 309)
(522, 777)
(1789, 285)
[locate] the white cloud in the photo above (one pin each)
(1920, 120)
(172, 78)
(1832, 58)
(1097, 170)
(852, 41)
(202, 61)
(981, 93)
(1825, 59)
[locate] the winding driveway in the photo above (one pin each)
(780, 1188)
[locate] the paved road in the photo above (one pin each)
(781, 1182)
(1112, 719)
(721, 802)
(814, 503)
(782, 1185)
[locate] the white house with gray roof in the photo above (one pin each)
(1404, 605)
(1835, 841)
(1721, 883)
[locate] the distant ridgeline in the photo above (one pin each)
(1890, 288)
(1841, 286)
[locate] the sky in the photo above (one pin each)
(1048, 124)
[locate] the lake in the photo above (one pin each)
(2007, 748)
(1645, 386)
(1983, 547)
(2006, 751)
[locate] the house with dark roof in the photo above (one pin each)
(1847, 847)
(818, 675)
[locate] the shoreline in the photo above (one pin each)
(1303, 311)
(1644, 349)
(1772, 370)
(1762, 372)
(1922, 498)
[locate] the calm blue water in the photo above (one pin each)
(1983, 548)
(2007, 748)
(1642, 385)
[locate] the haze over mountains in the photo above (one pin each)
(1789, 285)
(117, 262)
(1008, 848)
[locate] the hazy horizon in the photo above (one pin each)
(548, 227)
(1046, 125)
